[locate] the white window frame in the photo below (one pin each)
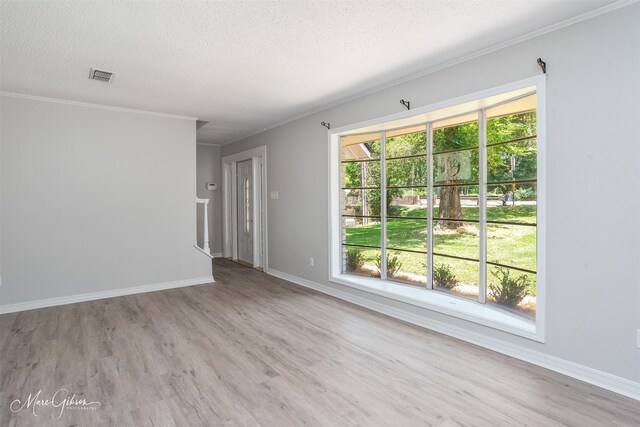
(474, 311)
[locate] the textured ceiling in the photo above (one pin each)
(244, 66)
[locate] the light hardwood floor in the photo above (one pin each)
(255, 350)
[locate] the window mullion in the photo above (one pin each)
(482, 176)
(343, 228)
(383, 206)
(430, 205)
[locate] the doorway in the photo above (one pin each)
(244, 207)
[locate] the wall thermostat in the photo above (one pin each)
(212, 186)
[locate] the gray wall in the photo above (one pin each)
(95, 200)
(208, 170)
(593, 170)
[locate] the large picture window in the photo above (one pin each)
(445, 202)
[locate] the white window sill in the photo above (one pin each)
(470, 310)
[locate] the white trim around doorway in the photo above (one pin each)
(229, 205)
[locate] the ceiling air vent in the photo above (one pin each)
(103, 76)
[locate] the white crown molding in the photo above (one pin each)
(548, 29)
(51, 302)
(89, 105)
(208, 144)
(580, 372)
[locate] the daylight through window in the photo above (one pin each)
(449, 205)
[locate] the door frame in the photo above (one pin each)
(230, 205)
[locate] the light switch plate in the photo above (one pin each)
(274, 195)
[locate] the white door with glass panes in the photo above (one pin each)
(245, 211)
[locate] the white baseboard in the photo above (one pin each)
(50, 302)
(218, 255)
(583, 373)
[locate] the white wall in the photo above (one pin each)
(593, 164)
(208, 170)
(94, 200)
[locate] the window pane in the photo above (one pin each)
(457, 276)
(409, 203)
(512, 245)
(512, 203)
(361, 174)
(507, 244)
(409, 171)
(411, 234)
(512, 290)
(409, 143)
(358, 231)
(455, 137)
(460, 202)
(459, 167)
(407, 234)
(361, 231)
(456, 238)
(455, 201)
(516, 119)
(360, 147)
(407, 267)
(360, 261)
(351, 221)
(361, 202)
(513, 161)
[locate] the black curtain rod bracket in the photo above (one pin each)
(406, 104)
(542, 65)
(327, 125)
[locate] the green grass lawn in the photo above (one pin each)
(513, 245)
(521, 213)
